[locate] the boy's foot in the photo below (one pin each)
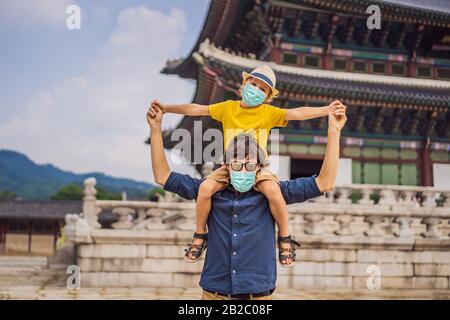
(196, 248)
(286, 247)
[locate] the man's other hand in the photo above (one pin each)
(154, 117)
(336, 120)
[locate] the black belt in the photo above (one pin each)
(242, 295)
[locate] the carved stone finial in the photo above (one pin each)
(77, 229)
(89, 188)
(90, 210)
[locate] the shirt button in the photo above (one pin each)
(235, 235)
(234, 252)
(235, 215)
(234, 271)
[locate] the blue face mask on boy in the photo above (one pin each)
(252, 96)
(242, 181)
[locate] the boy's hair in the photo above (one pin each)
(244, 146)
(269, 97)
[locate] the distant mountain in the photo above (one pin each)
(32, 181)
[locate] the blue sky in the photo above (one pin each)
(77, 98)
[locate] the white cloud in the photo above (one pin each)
(96, 121)
(33, 13)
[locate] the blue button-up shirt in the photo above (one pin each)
(241, 256)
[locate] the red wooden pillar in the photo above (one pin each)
(326, 57)
(55, 235)
(426, 165)
(411, 72)
(30, 231)
(2, 236)
(275, 55)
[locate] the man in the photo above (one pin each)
(240, 262)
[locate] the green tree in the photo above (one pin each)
(75, 192)
(7, 195)
(152, 193)
(69, 192)
(102, 194)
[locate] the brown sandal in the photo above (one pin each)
(196, 249)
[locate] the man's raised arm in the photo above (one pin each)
(327, 176)
(161, 169)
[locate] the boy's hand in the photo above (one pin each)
(156, 105)
(336, 122)
(337, 108)
(154, 117)
(336, 116)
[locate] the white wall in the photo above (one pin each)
(344, 175)
(441, 175)
(281, 166)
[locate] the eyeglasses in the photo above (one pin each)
(249, 166)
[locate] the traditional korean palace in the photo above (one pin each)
(395, 80)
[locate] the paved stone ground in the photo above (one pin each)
(28, 278)
(59, 293)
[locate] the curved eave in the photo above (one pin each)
(209, 50)
(222, 15)
(402, 12)
(292, 80)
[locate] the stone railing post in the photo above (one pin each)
(404, 227)
(90, 209)
(314, 225)
(344, 194)
(375, 229)
(125, 218)
(432, 230)
(387, 197)
(429, 200)
(365, 200)
(344, 224)
(409, 198)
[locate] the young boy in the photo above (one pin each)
(251, 115)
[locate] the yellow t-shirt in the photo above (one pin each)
(256, 121)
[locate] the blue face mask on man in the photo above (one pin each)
(242, 181)
(252, 96)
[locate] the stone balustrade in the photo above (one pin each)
(402, 230)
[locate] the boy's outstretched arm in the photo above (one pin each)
(161, 169)
(188, 109)
(305, 113)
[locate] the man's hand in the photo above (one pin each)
(336, 107)
(155, 105)
(154, 117)
(337, 118)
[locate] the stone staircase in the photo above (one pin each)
(29, 271)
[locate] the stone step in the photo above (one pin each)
(32, 276)
(22, 261)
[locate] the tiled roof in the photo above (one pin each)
(412, 91)
(48, 210)
(423, 11)
(434, 5)
(52, 210)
